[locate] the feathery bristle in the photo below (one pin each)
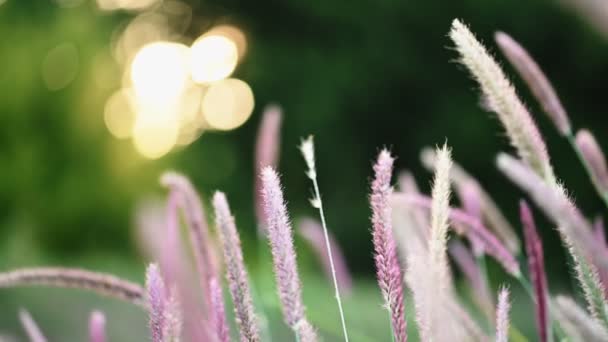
(536, 80)
(267, 152)
(489, 209)
(283, 252)
(536, 267)
(236, 272)
(492, 245)
(576, 322)
(388, 270)
(97, 327)
(218, 311)
(440, 209)
(554, 202)
(155, 298)
(502, 316)
(503, 100)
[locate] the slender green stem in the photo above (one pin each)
(581, 158)
(561, 335)
(329, 253)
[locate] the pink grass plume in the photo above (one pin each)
(312, 231)
(595, 159)
(218, 311)
(465, 261)
(236, 272)
(156, 302)
(536, 80)
(502, 316)
(31, 328)
(491, 244)
(267, 152)
(280, 235)
(501, 98)
(194, 214)
(536, 267)
(388, 270)
(97, 327)
(100, 283)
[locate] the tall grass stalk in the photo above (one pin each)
(307, 148)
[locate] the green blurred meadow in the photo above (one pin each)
(359, 75)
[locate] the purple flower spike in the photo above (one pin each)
(218, 312)
(491, 244)
(31, 328)
(502, 316)
(470, 198)
(284, 256)
(192, 207)
(156, 300)
(536, 266)
(465, 261)
(236, 273)
(97, 327)
(267, 151)
(312, 231)
(100, 283)
(592, 153)
(536, 80)
(388, 270)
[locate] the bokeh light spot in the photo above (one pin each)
(154, 135)
(160, 72)
(227, 104)
(214, 57)
(119, 114)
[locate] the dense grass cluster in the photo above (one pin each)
(409, 230)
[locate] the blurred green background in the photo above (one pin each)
(359, 75)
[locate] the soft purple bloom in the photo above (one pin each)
(312, 231)
(388, 270)
(537, 81)
(97, 327)
(284, 256)
(31, 328)
(267, 152)
(536, 266)
(100, 283)
(236, 273)
(595, 159)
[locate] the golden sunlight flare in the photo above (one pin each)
(160, 72)
(119, 113)
(227, 104)
(214, 57)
